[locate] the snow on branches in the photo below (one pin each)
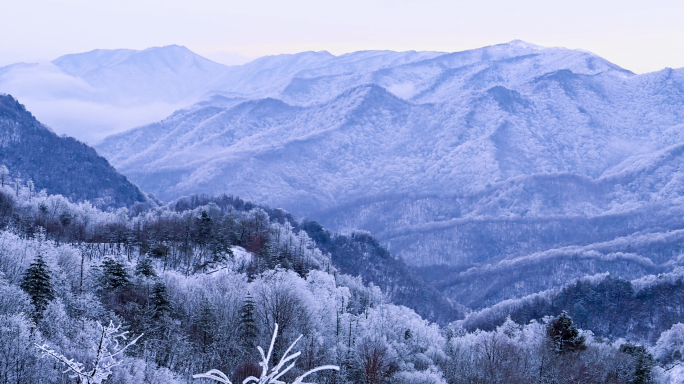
(275, 373)
(106, 352)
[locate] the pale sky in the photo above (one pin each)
(641, 36)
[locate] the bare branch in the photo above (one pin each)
(276, 373)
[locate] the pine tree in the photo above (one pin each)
(204, 225)
(643, 362)
(268, 254)
(145, 268)
(31, 187)
(114, 274)
(564, 334)
(161, 300)
(248, 329)
(36, 283)
(206, 323)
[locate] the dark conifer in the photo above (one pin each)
(268, 254)
(643, 360)
(564, 334)
(206, 323)
(37, 284)
(248, 328)
(114, 274)
(161, 300)
(145, 268)
(204, 225)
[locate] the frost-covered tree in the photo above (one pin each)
(270, 375)
(376, 361)
(18, 362)
(670, 345)
(37, 283)
(108, 354)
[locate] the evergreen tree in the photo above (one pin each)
(206, 323)
(114, 274)
(220, 249)
(643, 360)
(161, 300)
(204, 225)
(298, 266)
(145, 268)
(36, 283)
(564, 334)
(268, 254)
(248, 328)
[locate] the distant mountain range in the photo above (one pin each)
(60, 165)
(93, 94)
(512, 167)
(500, 171)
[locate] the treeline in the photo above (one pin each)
(214, 321)
(610, 306)
(196, 232)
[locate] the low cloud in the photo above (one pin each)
(70, 106)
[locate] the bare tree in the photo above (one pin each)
(275, 373)
(377, 362)
(106, 352)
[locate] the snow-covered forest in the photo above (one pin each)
(199, 283)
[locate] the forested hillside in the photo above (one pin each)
(61, 165)
(198, 283)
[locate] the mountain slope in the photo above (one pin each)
(61, 165)
(511, 156)
(474, 135)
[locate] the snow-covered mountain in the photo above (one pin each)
(471, 159)
(169, 74)
(102, 92)
(32, 153)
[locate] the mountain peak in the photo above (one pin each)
(523, 44)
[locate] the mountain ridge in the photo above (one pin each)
(61, 165)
